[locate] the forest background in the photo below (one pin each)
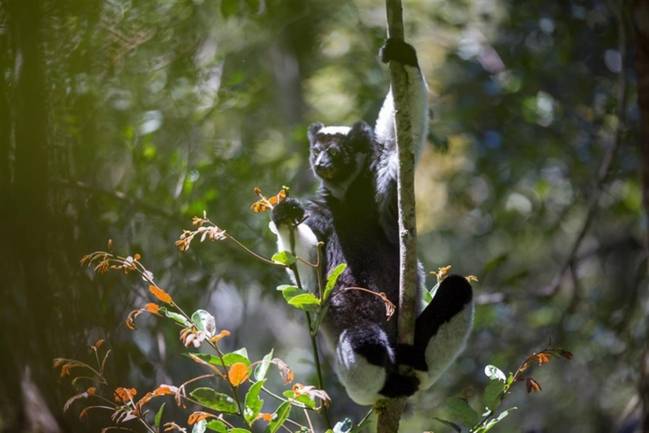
(121, 120)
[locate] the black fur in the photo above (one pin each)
(453, 295)
(290, 213)
(356, 219)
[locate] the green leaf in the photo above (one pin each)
(238, 430)
(304, 399)
(427, 297)
(262, 368)
(344, 426)
(200, 426)
(228, 358)
(253, 402)
(179, 318)
(492, 422)
(279, 418)
(218, 401)
(305, 301)
(433, 291)
(298, 298)
(332, 279)
(289, 291)
(217, 426)
(158, 416)
(492, 394)
(204, 321)
(460, 410)
(494, 373)
(284, 258)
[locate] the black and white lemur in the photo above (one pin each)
(355, 215)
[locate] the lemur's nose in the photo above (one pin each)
(323, 166)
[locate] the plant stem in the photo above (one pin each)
(312, 334)
(251, 252)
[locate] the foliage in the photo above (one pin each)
(227, 412)
(147, 113)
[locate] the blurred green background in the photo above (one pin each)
(122, 119)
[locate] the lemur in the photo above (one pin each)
(355, 215)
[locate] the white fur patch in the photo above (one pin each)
(418, 109)
(306, 247)
(333, 130)
(446, 345)
(362, 380)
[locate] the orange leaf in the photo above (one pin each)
(91, 391)
(160, 294)
(98, 344)
(164, 390)
(130, 319)
(268, 417)
(144, 400)
(532, 385)
(279, 197)
(197, 416)
(124, 395)
(260, 206)
(218, 337)
(152, 308)
(238, 373)
(542, 358)
(284, 371)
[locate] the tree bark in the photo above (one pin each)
(390, 414)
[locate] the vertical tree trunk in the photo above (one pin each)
(27, 301)
(640, 15)
(390, 414)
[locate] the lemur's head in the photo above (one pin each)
(339, 152)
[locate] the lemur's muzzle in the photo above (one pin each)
(324, 166)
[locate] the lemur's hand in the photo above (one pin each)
(399, 51)
(290, 212)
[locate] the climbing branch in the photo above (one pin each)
(406, 182)
(390, 413)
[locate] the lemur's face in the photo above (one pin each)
(336, 151)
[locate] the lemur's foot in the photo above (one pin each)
(399, 385)
(399, 51)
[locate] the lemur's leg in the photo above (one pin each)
(441, 330)
(366, 365)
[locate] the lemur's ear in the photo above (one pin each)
(361, 136)
(313, 130)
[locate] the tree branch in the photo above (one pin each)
(606, 164)
(390, 413)
(640, 13)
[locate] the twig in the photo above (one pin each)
(605, 166)
(119, 196)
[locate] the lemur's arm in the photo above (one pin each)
(399, 51)
(387, 158)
